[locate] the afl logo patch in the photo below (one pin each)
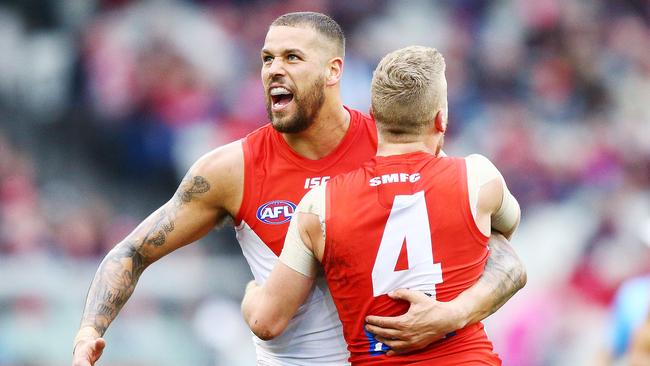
(276, 212)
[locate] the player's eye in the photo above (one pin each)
(292, 57)
(267, 58)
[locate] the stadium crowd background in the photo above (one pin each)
(104, 104)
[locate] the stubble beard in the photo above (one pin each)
(307, 109)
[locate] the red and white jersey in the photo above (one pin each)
(275, 180)
(403, 221)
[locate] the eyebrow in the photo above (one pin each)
(285, 52)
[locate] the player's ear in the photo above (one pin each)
(335, 71)
(439, 122)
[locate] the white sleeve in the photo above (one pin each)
(294, 253)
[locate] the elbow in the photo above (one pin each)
(265, 329)
(519, 275)
(508, 262)
(259, 315)
(523, 279)
(264, 333)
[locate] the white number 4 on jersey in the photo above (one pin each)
(408, 222)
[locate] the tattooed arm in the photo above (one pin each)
(210, 191)
(503, 276)
(428, 320)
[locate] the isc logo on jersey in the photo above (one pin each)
(276, 212)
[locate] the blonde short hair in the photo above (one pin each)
(408, 89)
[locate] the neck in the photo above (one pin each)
(387, 148)
(323, 136)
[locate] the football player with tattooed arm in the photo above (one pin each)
(257, 182)
(409, 218)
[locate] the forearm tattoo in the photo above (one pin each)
(504, 273)
(120, 270)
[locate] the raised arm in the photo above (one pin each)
(207, 194)
(428, 320)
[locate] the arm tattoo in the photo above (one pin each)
(189, 187)
(120, 270)
(112, 286)
(504, 273)
(164, 223)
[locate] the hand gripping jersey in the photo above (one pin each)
(275, 179)
(403, 221)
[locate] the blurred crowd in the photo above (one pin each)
(104, 104)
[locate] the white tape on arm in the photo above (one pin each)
(295, 253)
(481, 171)
(507, 217)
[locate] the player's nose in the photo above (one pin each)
(276, 67)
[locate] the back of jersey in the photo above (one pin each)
(403, 221)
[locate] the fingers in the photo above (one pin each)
(385, 333)
(88, 352)
(81, 356)
(395, 322)
(397, 346)
(401, 294)
(391, 342)
(98, 347)
(408, 295)
(79, 362)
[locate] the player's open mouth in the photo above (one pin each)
(280, 98)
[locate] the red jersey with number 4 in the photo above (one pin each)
(403, 221)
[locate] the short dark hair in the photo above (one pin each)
(322, 23)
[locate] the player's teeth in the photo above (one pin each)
(279, 91)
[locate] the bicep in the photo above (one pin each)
(173, 225)
(195, 208)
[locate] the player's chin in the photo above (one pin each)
(284, 127)
(283, 121)
(292, 129)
